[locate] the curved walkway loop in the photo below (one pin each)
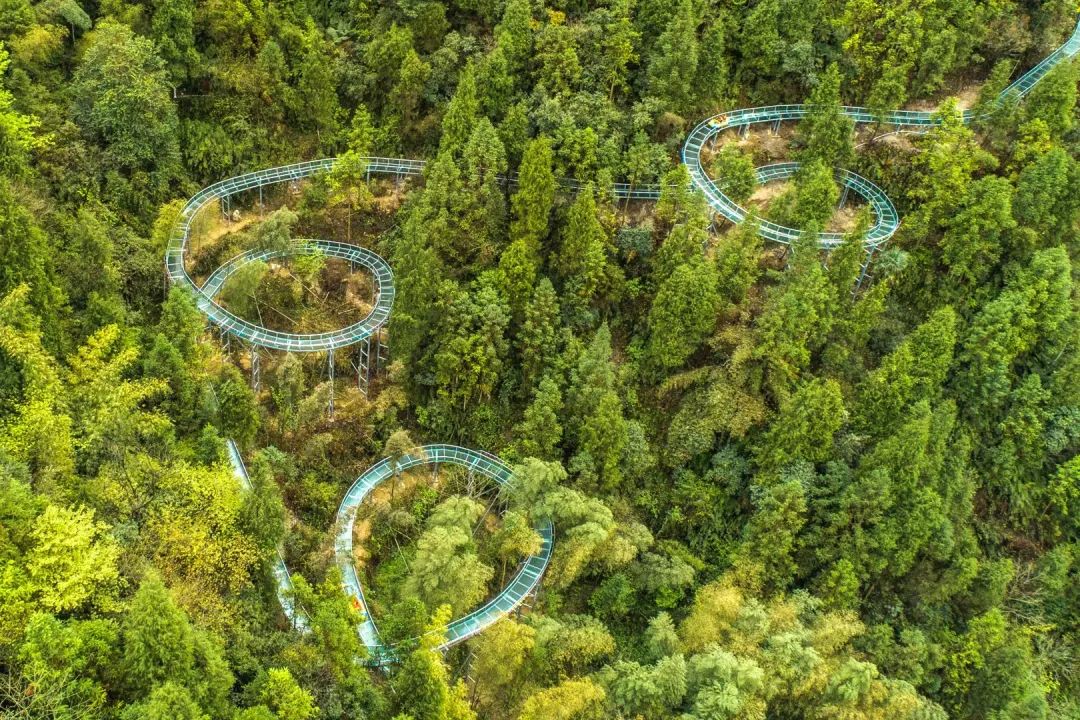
(258, 336)
(887, 220)
(384, 276)
(520, 587)
(528, 576)
(886, 224)
(250, 332)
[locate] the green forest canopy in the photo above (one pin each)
(774, 497)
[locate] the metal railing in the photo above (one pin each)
(286, 593)
(256, 334)
(887, 219)
(510, 597)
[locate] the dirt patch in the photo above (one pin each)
(379, 499)
(765, 194)
(210, 226)
(844, 219)
(224, 227)
(635, 213)
(392, 197)
(287, 300)
(867, 135)
(966, 96)
(770, 147)
(360, 533)
(380, 495)
(761, 143)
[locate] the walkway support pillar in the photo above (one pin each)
(382, 351)
(864, 272)
(255, 379)
(330, 372)
(363, 368)
(377, 360)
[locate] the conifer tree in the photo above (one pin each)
(826, 132)
(582, 257)
(683, 313)
(26, 257)
(515, 36)
(540, 431)
(805, 427)
(537, 339)
(535, 197)
(461, 114)
(167, 702)
(734, 172)
(674, 63)
(159, 644)
(422, 685)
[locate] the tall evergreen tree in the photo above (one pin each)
(422, 685)
(159, 645)
(535, 196)
(682, 314)
(674, 63)
(538, 339)
(582, 257)
(825, 133)
(26, 257)
(462, 113)
(540, 432)
(515, 35)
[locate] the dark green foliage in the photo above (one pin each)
(674, 63)
(825, 133)
(121, 99)
(733, 171)
(683, 314)
(238, 414)
(785, 483)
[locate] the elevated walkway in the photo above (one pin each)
(517, 591)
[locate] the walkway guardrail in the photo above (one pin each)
(887, 220)
(510, 597)
(516, 591)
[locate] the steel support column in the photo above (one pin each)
(864, 271)
(330, 372)
(363, 369)
(255, 379)
(382, 351)
(359, 382)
